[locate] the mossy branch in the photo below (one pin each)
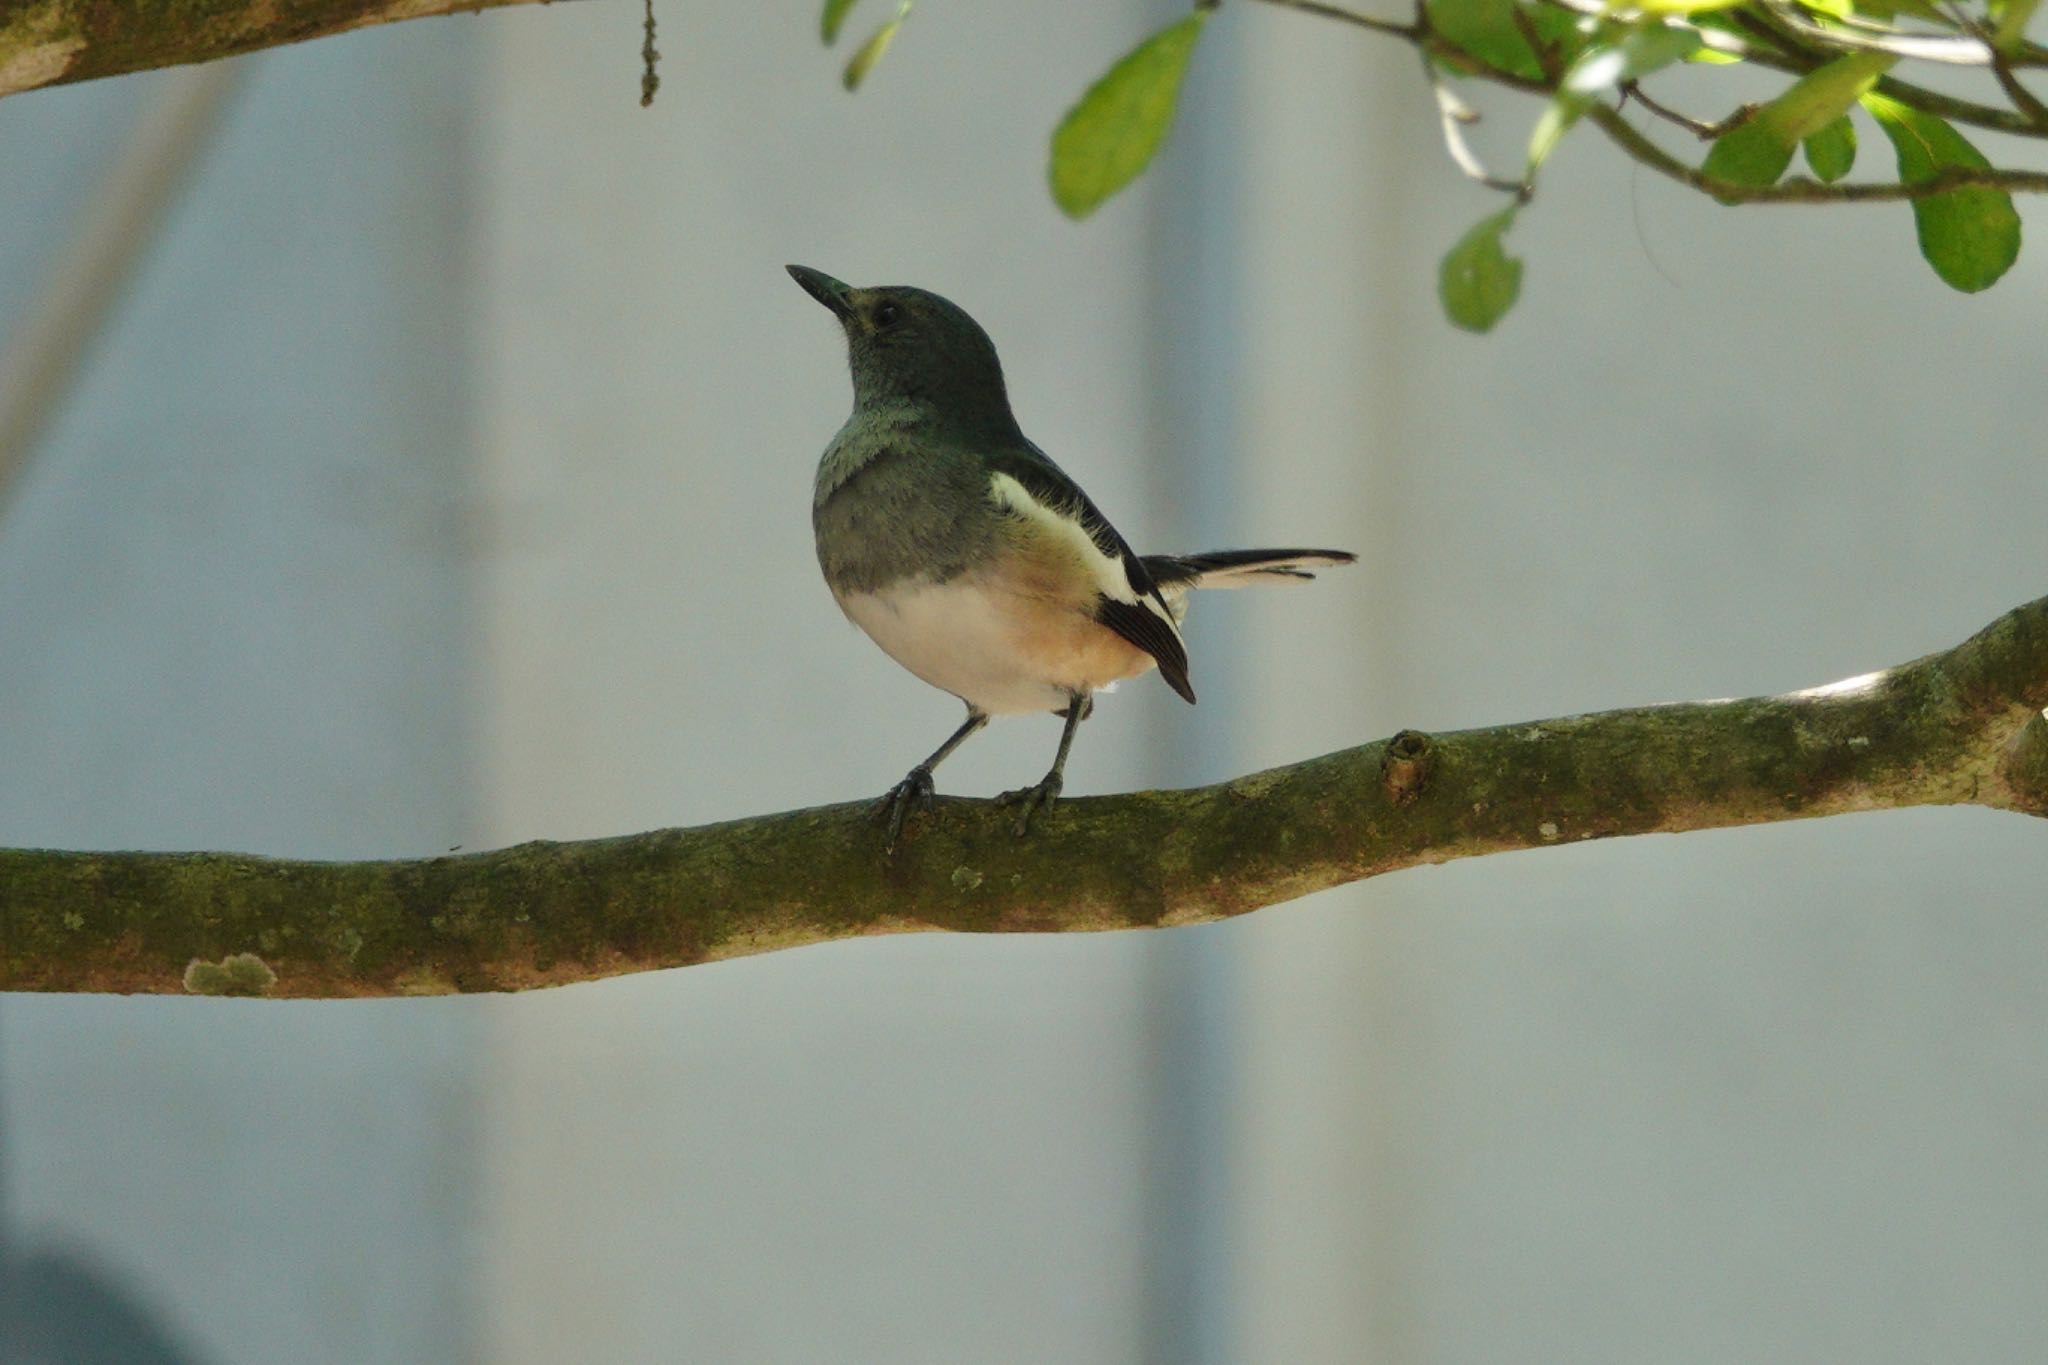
(53, 42)
(1962, 727)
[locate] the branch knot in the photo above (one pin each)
(1405, 767)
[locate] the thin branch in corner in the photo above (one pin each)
(649, 80)
(55, 42)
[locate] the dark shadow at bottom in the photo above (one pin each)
(58, 1309)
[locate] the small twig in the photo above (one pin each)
(1876, 27)
(1546, 53)
(44, 347)
(1928, 47)
(2022, 98)
(649, 81)
(1958, 18)
(1958, 110)
(1704, 131)
(1456, 115)
(1411, 32)
(1767, 27)
(1458, 59)
(1800, 190)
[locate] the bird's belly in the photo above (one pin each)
(1001, 651)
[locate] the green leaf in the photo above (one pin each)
(1564, 31)
(1108, 138)
(1552, 124)
(871, 51)
(1684, 6)
(1824, 94)
(2012, 23)
(1757, 151)
(1751, 153)
(1970, 236)
(1832, 150)
(1478, 281)
(829, 20)
(1487, 30)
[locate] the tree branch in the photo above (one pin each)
(53, 42)
(1455, 115)
(1962, 727)
(1801, 190)
(1699, 128)
(1337, 14)
(1946, 49)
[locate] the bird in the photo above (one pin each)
(972, 559)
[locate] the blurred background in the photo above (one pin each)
(439, 476)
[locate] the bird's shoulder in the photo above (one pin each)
(1051, 487)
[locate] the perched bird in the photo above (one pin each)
(969, 557)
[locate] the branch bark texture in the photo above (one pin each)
(1962, 727)
(51, 42)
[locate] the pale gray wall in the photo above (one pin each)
(237, 614)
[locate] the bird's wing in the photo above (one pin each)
(1129, 602)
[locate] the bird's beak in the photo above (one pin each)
(824, 289)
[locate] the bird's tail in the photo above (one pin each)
(1235, 568)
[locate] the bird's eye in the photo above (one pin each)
(885, 314)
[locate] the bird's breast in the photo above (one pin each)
(905, 513)
(998, 641)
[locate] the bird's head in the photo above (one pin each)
(910, 344)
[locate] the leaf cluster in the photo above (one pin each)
(1588, 61)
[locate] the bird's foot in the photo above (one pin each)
(1030, 799)
(914, 790)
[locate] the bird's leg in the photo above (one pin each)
(916, 788)
(1042, 796)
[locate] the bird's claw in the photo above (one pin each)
(1030, 799)
(914, 790)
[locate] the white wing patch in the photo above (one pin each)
(1107, 574)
